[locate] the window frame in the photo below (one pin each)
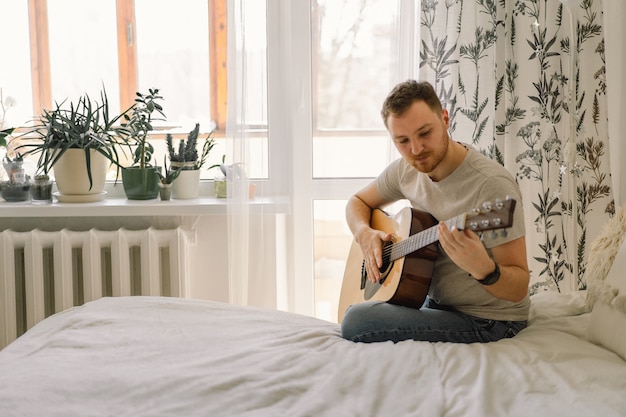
(127, 56)
(291, 79)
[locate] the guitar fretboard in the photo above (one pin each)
(423, 238)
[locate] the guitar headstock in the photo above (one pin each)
(491, 216)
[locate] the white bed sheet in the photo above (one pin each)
(143, 356)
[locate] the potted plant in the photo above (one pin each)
(141, 180)
(186, 157)
(220, 184)
(166, 179)
(231, 173)
(41, 189)
(78, 141)
(17, 187)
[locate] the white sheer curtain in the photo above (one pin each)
(271, 256)
(238, 208)
(256, 217)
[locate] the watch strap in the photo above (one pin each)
(491, 278)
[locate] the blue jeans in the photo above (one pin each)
(380, 321)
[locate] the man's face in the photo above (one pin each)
(421, 137)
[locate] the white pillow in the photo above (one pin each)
(605, 245)
(607, 326)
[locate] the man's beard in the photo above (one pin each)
(433, 159)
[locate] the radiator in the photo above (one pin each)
(42, 273)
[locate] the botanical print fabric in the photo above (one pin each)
(503, 69)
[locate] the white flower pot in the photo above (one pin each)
(70, 173)
(186, 185)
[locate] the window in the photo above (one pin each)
(359, 50)
(332, 240)
(78, 47)
(328, 64)
(353, 62)
(173, 53)
(82, 55)
(15, 80)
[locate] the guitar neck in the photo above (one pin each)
(424, 238)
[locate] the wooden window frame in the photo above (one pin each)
(127, 56)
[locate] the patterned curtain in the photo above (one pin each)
(524, 82)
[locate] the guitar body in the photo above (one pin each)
(404, 281)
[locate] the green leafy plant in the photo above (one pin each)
(85, 124)
(188, 149)
(3, 136)
(138, 124)
(168, 175)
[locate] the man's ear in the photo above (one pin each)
(446, 117)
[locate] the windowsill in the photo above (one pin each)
(113, 207)
(116, 204)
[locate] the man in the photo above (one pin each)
(479, 288)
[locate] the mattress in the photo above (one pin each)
(158, 356)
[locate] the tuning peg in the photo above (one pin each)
(497, 221)
(473, 225)
(487, 206)
(484, 223)
(499, 204)
(475, 211)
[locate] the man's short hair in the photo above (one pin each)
(405, 94)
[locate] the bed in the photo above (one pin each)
(151, 356)
(160, 356)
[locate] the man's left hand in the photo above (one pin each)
(466, 250)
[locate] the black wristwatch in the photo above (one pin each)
(491, 278)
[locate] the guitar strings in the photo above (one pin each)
(418, 240)
(423, 238)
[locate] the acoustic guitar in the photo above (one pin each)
(408, 260)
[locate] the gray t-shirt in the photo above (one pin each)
(476, 180)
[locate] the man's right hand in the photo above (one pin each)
(371, 242)
(359, 214)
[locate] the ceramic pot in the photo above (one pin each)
(70, 172)
(165, 191)
(187, 184)
(140, 184)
